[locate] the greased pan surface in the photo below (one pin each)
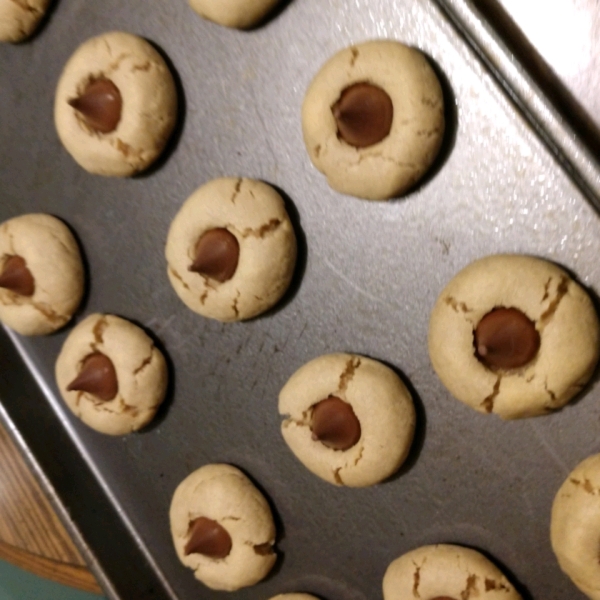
(369, 275)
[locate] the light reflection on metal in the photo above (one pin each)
(561, 31)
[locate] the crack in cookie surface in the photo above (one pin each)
(348, 374)
(236, 190)
(145, 362)
(585, 485)
(561, 291)
(416, 581)
(488, 401)
(456, 305)
(98, 332)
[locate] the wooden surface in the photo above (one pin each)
(31, 535)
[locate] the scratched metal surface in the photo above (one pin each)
(370, 273)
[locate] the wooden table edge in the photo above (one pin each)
(67, 574)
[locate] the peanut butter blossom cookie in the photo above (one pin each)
(231, 249)
(41, 274)
(445, 572)
(373, 119)
(222, 528)
(111, 375)
(20, 18)
(514, 335)
(349, 419)
(575, 526)
(115, 104)
(240, 14)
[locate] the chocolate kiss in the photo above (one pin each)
(442, 598)
(334, 424)
(16, 277)
(363, 114)
(209, 538)
(97, 377)
(100, 105)
(217, 254)
(506, 338)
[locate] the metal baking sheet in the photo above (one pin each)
(568, 70)
(367, 278)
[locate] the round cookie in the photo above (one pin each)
(222, 528)
(445, 572)
(349, 419)
(41, 274)
(115, 105)
(551, 347)
(18, 20)
(241, 14)
(111, 375)
(238, 238)
(373, 119)
(575, 526)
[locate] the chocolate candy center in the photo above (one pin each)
(216, 254)
(16, 277)
(100, 105)
(334, 424)
(209, 538)
(363, 114)
(97, 377)
(506, 339)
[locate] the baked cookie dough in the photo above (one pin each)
(41, 274)
(373, 119)
(231, 249)
(20, 18)
(575, 526)
(349, 419)
(241, 14)
(111, 375)
(513, 335)
(115, 105)
(222, 528)
(445, 572)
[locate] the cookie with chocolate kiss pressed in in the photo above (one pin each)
(240, 14)
(373, 119)
(575, 526)
(111, 375)
(18, 20)
(231, 249)
(222, 528)
(445, 572)
(41, 274)
(349, 419)
(115, 105)
(514, 335)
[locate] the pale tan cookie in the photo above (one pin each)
(241, 553)
(140, 371)
(240, 14)
(145, 117)
(325, 436)
(389, 167)
(52, 259)
(575, 526)
(445, 572)
(561, 312)
(20, 18)
(252, 214)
